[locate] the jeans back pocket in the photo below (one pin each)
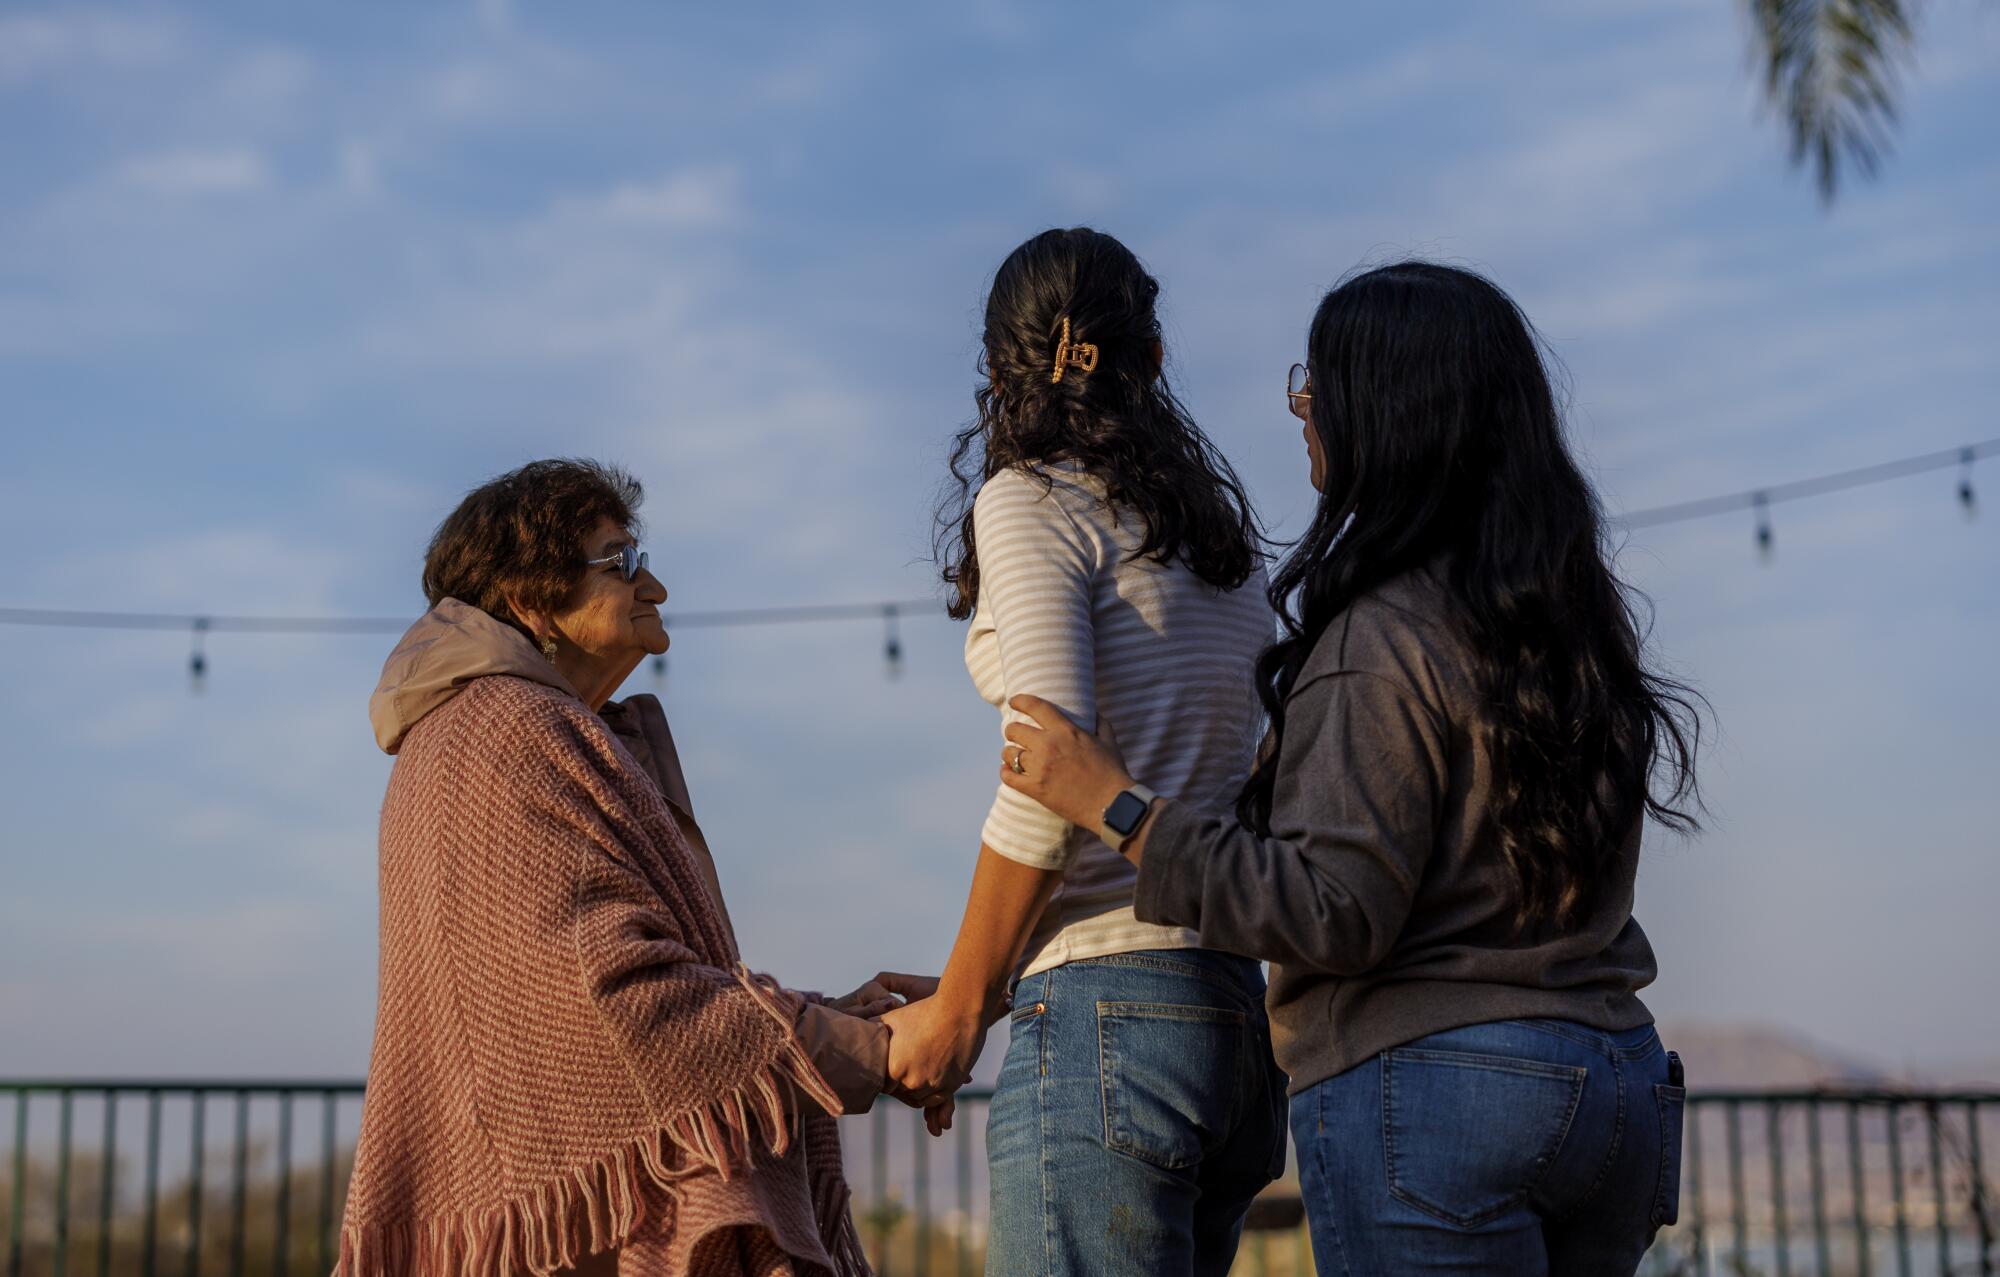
(1467, 1137)
(1171, 1076)
(1672, 1104)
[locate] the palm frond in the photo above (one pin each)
(1830, 67)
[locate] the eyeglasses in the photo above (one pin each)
(631, 560)
(1299, 392)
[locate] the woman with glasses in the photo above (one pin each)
(1109, 563)
(573, 1069)
(1438, 849)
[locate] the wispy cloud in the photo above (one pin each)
(707, 197)
(215, 171)
(36, 46)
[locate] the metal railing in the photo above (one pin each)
(1860, 1182)
(186, 1178)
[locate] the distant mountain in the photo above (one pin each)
(1759, 1057)
(1973, 1076)
(1745, 1057)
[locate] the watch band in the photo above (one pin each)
(1112, 834)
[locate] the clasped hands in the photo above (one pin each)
(933, 1040)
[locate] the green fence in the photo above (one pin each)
(186, 1178)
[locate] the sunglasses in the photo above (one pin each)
(630, 560)
(1299, 392)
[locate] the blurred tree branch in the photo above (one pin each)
(1830, 68)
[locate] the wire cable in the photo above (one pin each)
(219, 624)
(1759, 499)
(1819, 485)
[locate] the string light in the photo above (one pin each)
(1758, 500)
(1818, 485)
(892, 643)
(197, 657)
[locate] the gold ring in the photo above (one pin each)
(1015, 762)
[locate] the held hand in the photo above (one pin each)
(868, 1002)
(911, 988)
(932, 1047)
(937, 1116)
(1073, 775)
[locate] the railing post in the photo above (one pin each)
(1697, 1221)
(1822, 1251)
(326, 1173)
(19, 1212)
(1896, 1188)
(879, 1174)
(107, 1183)
(920, 1167)
(240, 1189)
(197, 1155)
(281, 1258)
(1981, 1209)
(149, 1259)
(964, 1246)
(1738, 1211)
(1774, 1140)
(1857, 1173)
(1933, 1120)
(65, 1121)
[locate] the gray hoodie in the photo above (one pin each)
(456, 643)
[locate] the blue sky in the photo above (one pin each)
(277, 284)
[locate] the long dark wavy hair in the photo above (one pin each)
(1444, 446)
(1120, 420)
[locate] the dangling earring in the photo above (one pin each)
(549, 648)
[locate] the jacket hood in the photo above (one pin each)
(452, 645)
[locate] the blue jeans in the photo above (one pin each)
(1136, 1115)
(1523, 1147)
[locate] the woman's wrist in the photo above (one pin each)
(967, 1005)
(1134, 848)
(1115, 786)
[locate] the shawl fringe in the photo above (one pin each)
(602, 1205)
(837, 1231)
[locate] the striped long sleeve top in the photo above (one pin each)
(1065, 613)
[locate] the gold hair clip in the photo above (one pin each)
(1082, 355)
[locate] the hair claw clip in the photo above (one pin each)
(1081, 355)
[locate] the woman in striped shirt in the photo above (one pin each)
(1110, 564)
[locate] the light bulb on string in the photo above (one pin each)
(1765, 538)
(1966, 496)
(197, 656)
(892, 642)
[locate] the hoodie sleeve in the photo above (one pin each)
(852, 1054)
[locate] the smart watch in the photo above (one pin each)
(1125, 813)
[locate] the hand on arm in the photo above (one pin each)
(1073, 775)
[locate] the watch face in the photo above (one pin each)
(1125, 812)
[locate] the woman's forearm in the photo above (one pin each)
(1007, 898)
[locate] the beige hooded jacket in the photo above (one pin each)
(455, 643)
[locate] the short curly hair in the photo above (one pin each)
(523, 534)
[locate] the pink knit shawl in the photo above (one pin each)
(569, 1057)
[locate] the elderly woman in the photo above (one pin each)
(572, 1068)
